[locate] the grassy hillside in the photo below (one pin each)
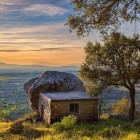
(105, 129)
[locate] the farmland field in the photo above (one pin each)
(15, 102)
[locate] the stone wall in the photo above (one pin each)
(46, 104)
(56, 110)
(88, 111)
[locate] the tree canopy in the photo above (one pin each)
(102, 14)
(116, 62)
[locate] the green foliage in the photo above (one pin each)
(14, 108)
(47, 124)
(104, 116)
(115, 62)
(33, 117)
(107, 129)
(31, 133)
(58, 126)
(90, 88)
(102, 14)
(17, 127)
(67, 123)
(4, 114)
(136, 123)
(121, 106)
(112, 132)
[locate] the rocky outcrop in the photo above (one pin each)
(29, 83)
(51, 81)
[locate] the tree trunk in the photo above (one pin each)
(132, 107)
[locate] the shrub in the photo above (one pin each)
(4, 114)
(33, 117)
(17, 127)
(58, 126)
(121, 106)
(136, 123)
(112, 132)
(69, 121)
(127, 127)
(104, 116)
(31, 133)
(47, 124)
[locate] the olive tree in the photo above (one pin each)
(102, 14)
(115, 62)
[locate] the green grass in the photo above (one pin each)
(105, 129)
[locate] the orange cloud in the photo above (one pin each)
(49, 44)
(54, 58)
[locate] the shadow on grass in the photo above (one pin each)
(31, 133)
(108, 128)
(27, 133)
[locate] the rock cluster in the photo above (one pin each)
(51, 81)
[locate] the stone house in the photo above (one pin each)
(52, 106)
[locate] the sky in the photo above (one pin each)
(33, 32)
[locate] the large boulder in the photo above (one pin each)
(29, 83)
(51, 81)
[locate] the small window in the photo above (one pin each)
(74, 108)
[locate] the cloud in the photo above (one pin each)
(51, 49)
(31, 8)
(40, 50)
(38, 36)
(3, 8)
(7, 6)
(9, 50)
(33, 32)
(44, 9)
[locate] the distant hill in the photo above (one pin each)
(14, 67)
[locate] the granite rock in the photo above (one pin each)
(51, 81)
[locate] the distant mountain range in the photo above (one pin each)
(14, 67)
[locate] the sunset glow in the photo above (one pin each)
(33, 32)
